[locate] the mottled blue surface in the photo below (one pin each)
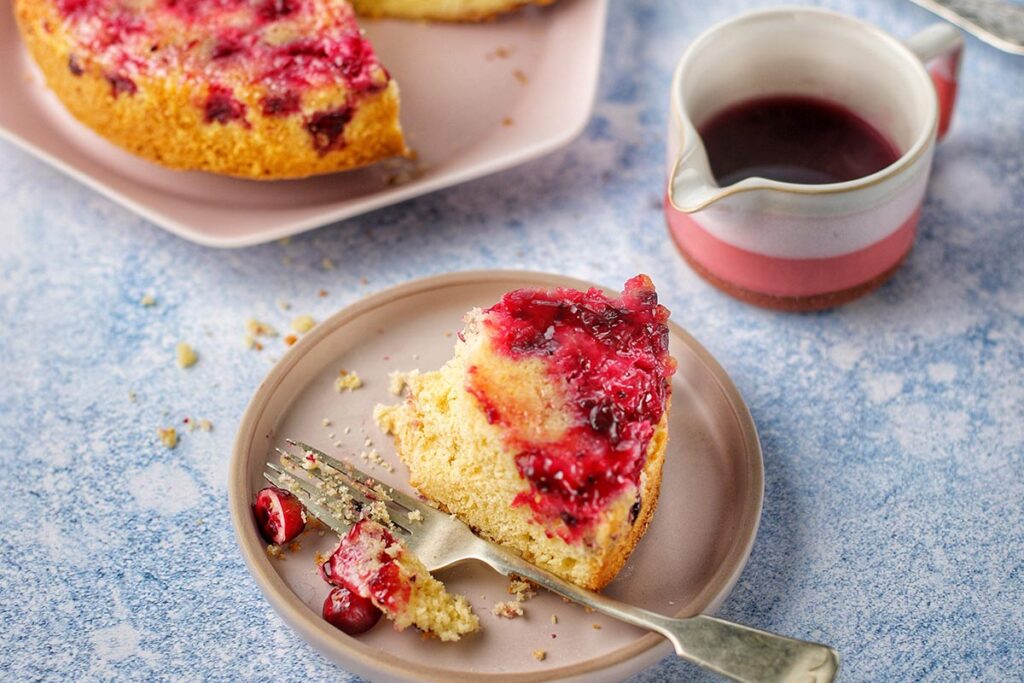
(893, 429)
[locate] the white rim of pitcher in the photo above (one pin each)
(688, 130)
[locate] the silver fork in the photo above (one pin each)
(440, 540)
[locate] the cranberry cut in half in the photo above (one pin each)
(279, 515)
(352, 613)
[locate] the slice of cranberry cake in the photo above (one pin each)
(250, 88)
(547, 430)
(373, 564)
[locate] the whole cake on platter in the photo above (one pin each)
(547, 430)
(259, 89)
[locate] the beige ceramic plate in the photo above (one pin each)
(690, 558)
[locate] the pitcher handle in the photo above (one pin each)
(941, 47)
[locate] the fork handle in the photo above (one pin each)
(733, 650)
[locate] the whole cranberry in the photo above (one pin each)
(279, 515)
(352, 613)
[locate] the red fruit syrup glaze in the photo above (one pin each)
(612, 354)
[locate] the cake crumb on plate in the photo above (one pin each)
(508, 610)
(540, 655)
(347, 381)
(397, 382)
(522, 589)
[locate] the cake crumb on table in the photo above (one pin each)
(347, 381)
(540, 655)
(508, 610)
(327, 264)
(206, 425)
(303, 324)
(185, 355)
(290, 340)
(259, 329)
(147, 300)
(168, 436)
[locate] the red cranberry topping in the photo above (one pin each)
(222, 107)
(613, 356)
(350, 612)
(226, 40)
(272, 10)
(121, 85)
(228, 45)
(281, 105)
(279, 515)
(328, 128)
(378, 578)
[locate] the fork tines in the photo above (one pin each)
(337, 493)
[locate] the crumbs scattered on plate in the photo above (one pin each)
(397, 381)
(347, 381)
(540, 655)
(508, 610)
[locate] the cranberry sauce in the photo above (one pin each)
(377, 575)
(612, 354)
(793, 139)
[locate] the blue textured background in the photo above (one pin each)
(893, 428)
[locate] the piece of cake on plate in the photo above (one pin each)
(547, 430)
(376, 566)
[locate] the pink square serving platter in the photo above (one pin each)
(476, 99)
